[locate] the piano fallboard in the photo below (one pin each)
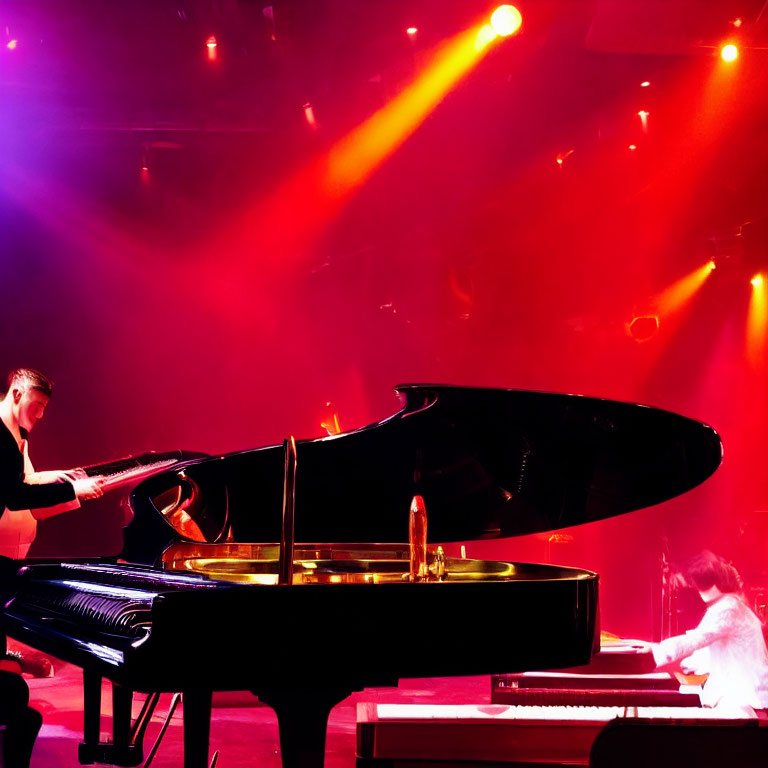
(561, 680)
(606, 697)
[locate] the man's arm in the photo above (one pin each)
(20, 495)
(16, 494)
(50, 476)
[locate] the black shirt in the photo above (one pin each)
(14, 492)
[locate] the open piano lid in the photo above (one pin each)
(488, 462)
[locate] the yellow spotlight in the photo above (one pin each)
(757, 322)
(729, 52)
(506, 20)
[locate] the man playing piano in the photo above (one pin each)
(727, 644)
(25, 495)
(21, 488)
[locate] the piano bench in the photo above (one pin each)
(637, 743)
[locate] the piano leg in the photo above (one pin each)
(302, 716)
(91, 711)
(122, 698)
(197, 727)
(121, 750)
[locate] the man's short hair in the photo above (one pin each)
(707, 570)
(29, 378)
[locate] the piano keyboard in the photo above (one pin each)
(118, 479)
(131, 468)
(453, 712)
(97, 599)
(503, 734)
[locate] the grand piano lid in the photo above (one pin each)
(488, 462)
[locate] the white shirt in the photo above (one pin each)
(738, 659)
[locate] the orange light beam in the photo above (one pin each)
(757, 323)
(319, 189)
(681, 291)
(359, 153)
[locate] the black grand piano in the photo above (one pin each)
(203, 598)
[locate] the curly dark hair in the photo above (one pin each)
(708, 570)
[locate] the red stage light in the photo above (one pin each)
(645, 83)
(643, 327)
(309, 115)
(12, 45)
(712, 265)
(411, 32)
(506, 20)
(757, 281)
(729, 52)
(211, 44)
(633, 147)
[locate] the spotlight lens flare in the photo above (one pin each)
(643, 328)
(309, 116)
(485, 35)
(729, 52)
(757, 281)
(506, 20)
(12, 45)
